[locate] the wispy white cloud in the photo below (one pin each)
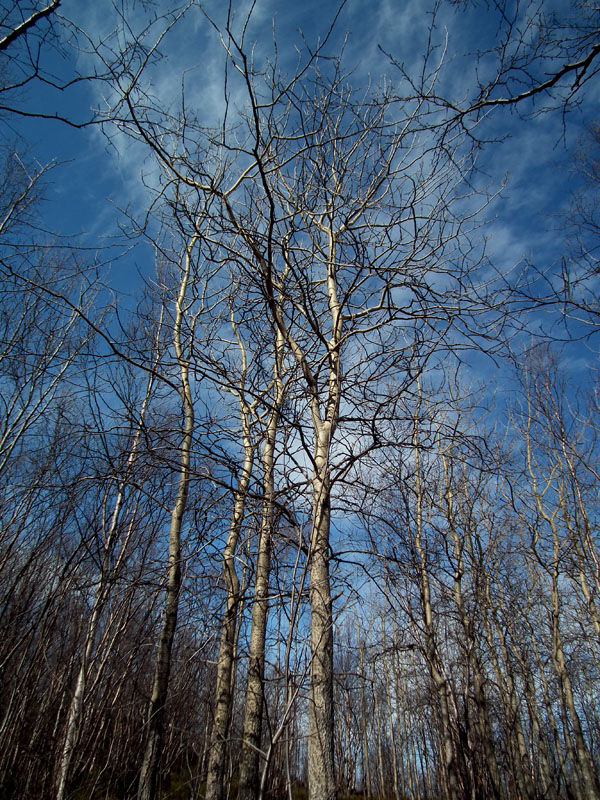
(112, 165)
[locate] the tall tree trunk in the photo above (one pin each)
(321, 754)
(388, 670)
(162, 664)
(517, 748)
(325, 415)
(581, 755)
(321, 778)
(101, 591)
(366, 768)
(225, 665)
(249, 784)
(450, 774)
(484, 738)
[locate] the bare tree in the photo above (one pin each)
(226, 659)
(537, 58)
(341, 220)
(328, 260)
(556, 456)
(162, 667)
(114, 553)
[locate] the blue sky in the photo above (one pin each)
(101, 171)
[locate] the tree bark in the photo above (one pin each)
(249, 784)
(162, 666)
(321, 778)
(101, 592)
(450, 775)
(225, 665)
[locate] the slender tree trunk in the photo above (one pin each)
(388, 691)
(162, 665)
(225, 665)
(379, 725)
(325, 416)
(250, 782)
(517, 748)
(321, 778)
(366, 768)
(102, 588)
(321, 754)
(75, 714)
(404, 737)
(581, 754)
(483, 728)
(450, 774)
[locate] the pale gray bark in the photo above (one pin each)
(379, 728)
(249, 783)
(321, 778)
(580, 754)
(388, 671)
(366, 767)
(577, 750)
(450, 775)
(22, 28)
(225, 664)
(482, 723)
(518, 750)
(75, 712)
(101, 594)
(405, 736)
(321, 772)
(162, 667)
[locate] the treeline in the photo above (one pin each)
(257, 537)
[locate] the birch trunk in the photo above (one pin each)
(249, 784)
(162, 666)
(101, 592)
(226, 660)
(450, 776)
(225, 664)
(321, 778)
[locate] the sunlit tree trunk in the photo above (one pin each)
(366, 767)
(226, 659)
(162, 666)
(320, 710)
(440, 680)
(217, 759)
(578, 752)
(388, 672)
(321, 776)
(249, 783)
(101, 594)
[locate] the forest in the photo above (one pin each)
(299, 400)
